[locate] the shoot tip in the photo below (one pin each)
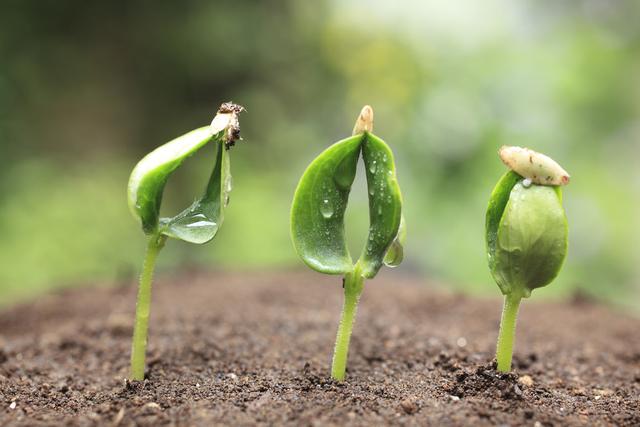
(364, 122)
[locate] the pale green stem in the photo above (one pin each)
(507, 332)
(139, 345)
(353, 285)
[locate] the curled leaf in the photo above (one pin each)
(200, 222)
(526, 235)
(497, 202)
(385, 203)
(319, 203)
(150, 175)
(147, 181)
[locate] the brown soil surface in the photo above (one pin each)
(229, 349)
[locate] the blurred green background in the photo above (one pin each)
(88, 87)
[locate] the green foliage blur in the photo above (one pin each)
(87, 88)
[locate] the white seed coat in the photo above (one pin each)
(364, 123)
(537, 167)
(222, 121)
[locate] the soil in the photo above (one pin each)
(255, 349)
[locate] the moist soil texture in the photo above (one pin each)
(255, 349)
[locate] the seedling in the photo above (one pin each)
(199, 223)
(526, 234)
(317, 219)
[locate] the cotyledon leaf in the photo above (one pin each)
(150, 175)
(497, 202)
(199, 223)
(319, 203)
(532, 239)
(385, 203)
(526, 234)
(147, 181)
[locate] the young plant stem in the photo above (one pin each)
(507, 333)
(353, 285)
(139, 346)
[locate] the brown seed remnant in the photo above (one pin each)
(364, 122)
(230, 107)
(537, 167)
(227, 119)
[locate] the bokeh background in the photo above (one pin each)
(88, 87)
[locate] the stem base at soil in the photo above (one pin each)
(353, 285)
(143, 306)
(507, 333)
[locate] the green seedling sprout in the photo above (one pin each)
(526, 234)
(199, 223)
(317, 219)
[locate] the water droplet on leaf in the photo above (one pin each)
(373, 167)
(394, 255)
(194, 228)
(326, 209)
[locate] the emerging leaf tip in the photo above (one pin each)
(364, 122)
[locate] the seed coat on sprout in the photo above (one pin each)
(526, 234)
(537, 167)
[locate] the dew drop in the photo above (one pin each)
(195, 228)
(373, 166)
(326, 209)
(526, 183)
(394, 254)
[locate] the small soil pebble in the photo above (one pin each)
(409, 406)
(526, 381)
